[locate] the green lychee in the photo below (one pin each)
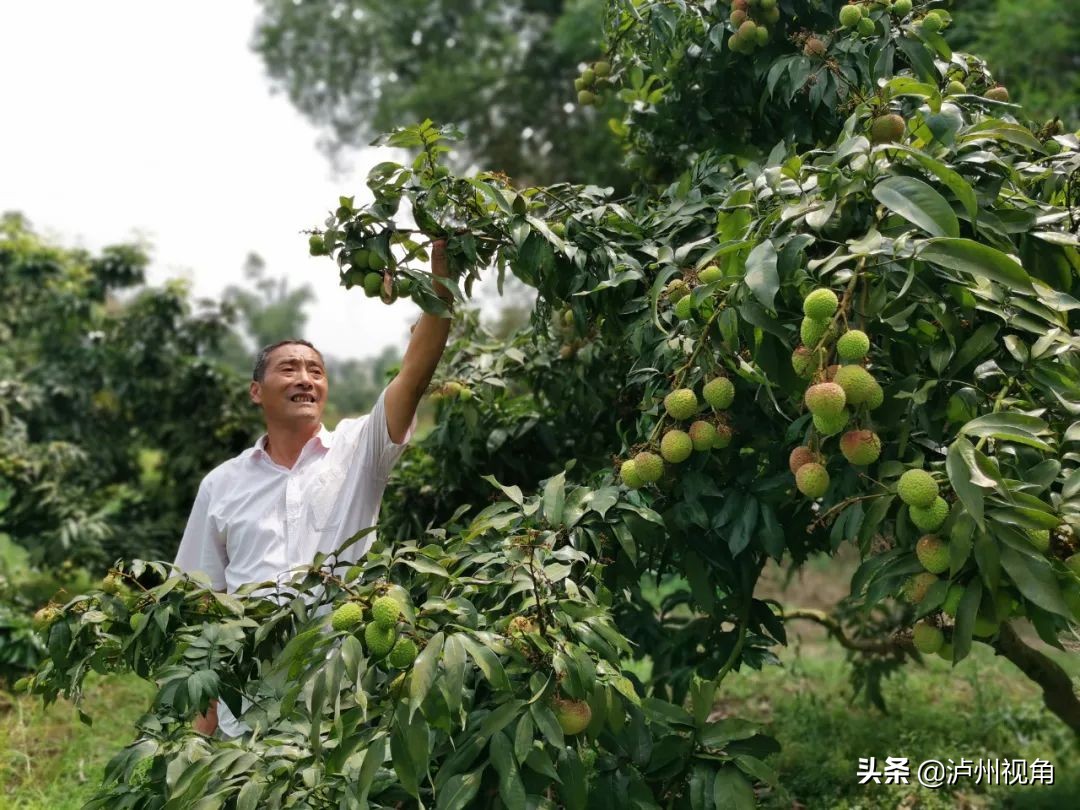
(876, 398)
(955, 87)
(813, 332)
(825, 399)
(586, 98)
(629, 475)
(917, 488)
(997, 93)
(932, 22)
(916, 587)
(684, 308)
(852, 346)
(676, 446)
(850, 16)
(946, 651)
(602, 68)
(649, 466)
(887, 128)
(316, 245)
(44, 617)
(984, 626)
(831, 424)
(380, 640)
(347, 617)
(820, 304)
(710, 274)
(112, 584)
(812, 480)
(799, 456)
(372, 284)
(719, 392)
(901, 8)
(681, 403)
(865, 27)
(804, 362)
(402, 654)
(927, 637)
(857, 382)
(1073, 564)
(574, 716)
(385, 611)
(677, 289)
(860, 447)
(933, 553)
(702, 434)
(723, 437)
(929, 519)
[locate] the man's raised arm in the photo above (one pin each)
(421, 358)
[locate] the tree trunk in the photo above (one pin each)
(1058, 693)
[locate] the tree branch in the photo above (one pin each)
(836, 630)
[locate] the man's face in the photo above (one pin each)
(293, 390)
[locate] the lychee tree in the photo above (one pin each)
(880, 348)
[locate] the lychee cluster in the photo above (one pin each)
(705, 433)
(592, 80)
(750, 21)
(380, 634)
(452, 389)
(678, 291)
(855, 17)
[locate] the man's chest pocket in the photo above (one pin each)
(326, 498)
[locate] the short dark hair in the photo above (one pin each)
(263, 359)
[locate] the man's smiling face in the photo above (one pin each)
(294, 386)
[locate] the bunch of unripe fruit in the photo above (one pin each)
(750, 21)
(591, 81)
(678, 291)
(706, 433)
(381, 633)
(452, 389)
(574, 716)
(839, 392)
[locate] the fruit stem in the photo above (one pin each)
(736, 651)
(844, 503)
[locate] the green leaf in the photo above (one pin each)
(574, 789)
(554, 498)
(424, 671)
(1013, 427)
(511, 788)
(761, 275)
(731, 791)
(1035, 579)
(373, 760)
(919, 203)
(973, 258)
(487, 661)
(963, 474)
(459, 791)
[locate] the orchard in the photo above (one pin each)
(840, 307)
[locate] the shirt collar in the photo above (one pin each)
(325, 436)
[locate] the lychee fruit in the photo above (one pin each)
(681, 404)
(346, 617)
(852, 346)
(799, 456)
(710, 274)
(850, 15)
(955, 88)
(997, 93)
(719, 392)
(1040, 539)
(927, 637)
(573, 715)
(684, 308)
(380, 640)
(814, 48)
(932, 22)
(649, 467)
(857, 382)
(372, 284)
(677, 289)
(916, 587)
(629, 474)
(723, 437)
(812, 331)
(887, 128)
(385, 611)
(812, 480)
(676, 446)
(933, 553)
(917, 488)
(984, 626)
(901, 8)
(702, 434)
(876, 398)
(831, 424)
(804, 362)
(403, 654)
(820, 304)
(860, 447)
(951, 603)
(826, 399)
(929, 519)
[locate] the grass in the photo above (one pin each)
(51, 761)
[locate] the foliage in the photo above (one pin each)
(510, 614)
(97, 388)
(941, 225)
(501, 71)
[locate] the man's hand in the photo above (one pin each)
(425, 349)
(206, 723)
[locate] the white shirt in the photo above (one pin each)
(253, 519)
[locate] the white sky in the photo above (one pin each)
(127, 118)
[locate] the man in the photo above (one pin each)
(303, 489)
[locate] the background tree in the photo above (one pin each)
(502, 71)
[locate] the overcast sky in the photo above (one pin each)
(129, 118)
